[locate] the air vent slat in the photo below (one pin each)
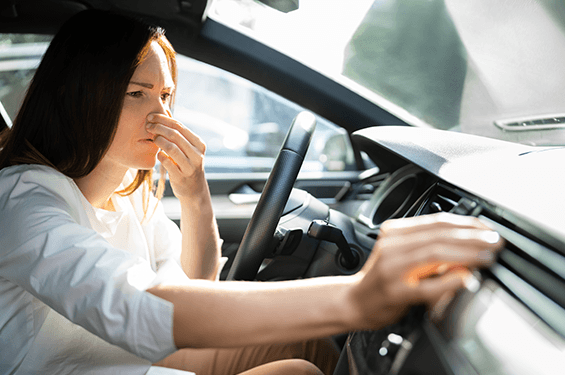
(532, 272)
(445, 203)
(549, 259)
(540, 304)
(536, 276)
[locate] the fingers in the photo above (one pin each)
(427, 259)
(466, 248)
(426, 222)
(170, 122)
(441, 238)
(416, 274)
(431, 291)
(183, 149)
(185, 159)
(423, 249)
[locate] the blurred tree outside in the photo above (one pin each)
(409, 52)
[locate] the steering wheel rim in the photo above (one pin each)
(261, 228)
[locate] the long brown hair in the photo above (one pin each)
(70, 113)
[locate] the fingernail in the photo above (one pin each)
(472, 283)
(150, 125)
(150, 117)
(490, 237)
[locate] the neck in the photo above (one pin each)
(99, 185)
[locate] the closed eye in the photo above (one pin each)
(135, 94)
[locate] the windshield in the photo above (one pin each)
(480, 67)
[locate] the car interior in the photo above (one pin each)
(290, 223)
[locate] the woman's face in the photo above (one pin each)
(149, 91)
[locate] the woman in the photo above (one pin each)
(90, 262)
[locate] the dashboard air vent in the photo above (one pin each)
(441, 199)
(534, 273)
(532, 123)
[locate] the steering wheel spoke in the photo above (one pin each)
(258, 236)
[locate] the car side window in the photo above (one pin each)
(244, 125)
(20, 55)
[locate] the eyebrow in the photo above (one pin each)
(149, 85)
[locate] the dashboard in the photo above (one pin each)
(511, 319)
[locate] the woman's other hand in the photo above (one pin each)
(420, 260)
(182, 154)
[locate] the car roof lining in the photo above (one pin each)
(41, 17)
(46, 16)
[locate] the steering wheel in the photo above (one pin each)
(261, 228)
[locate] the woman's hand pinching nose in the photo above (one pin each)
(182, 154)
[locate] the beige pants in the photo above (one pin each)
(321, 353)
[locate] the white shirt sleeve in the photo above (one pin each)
(49, 249)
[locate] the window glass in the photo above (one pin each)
(490, 68)
(242, 124)
(19, 57)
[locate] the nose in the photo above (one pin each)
(160, 107)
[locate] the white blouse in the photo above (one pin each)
(73, 278)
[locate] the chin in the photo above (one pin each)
(148, 165)
(145, 161)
